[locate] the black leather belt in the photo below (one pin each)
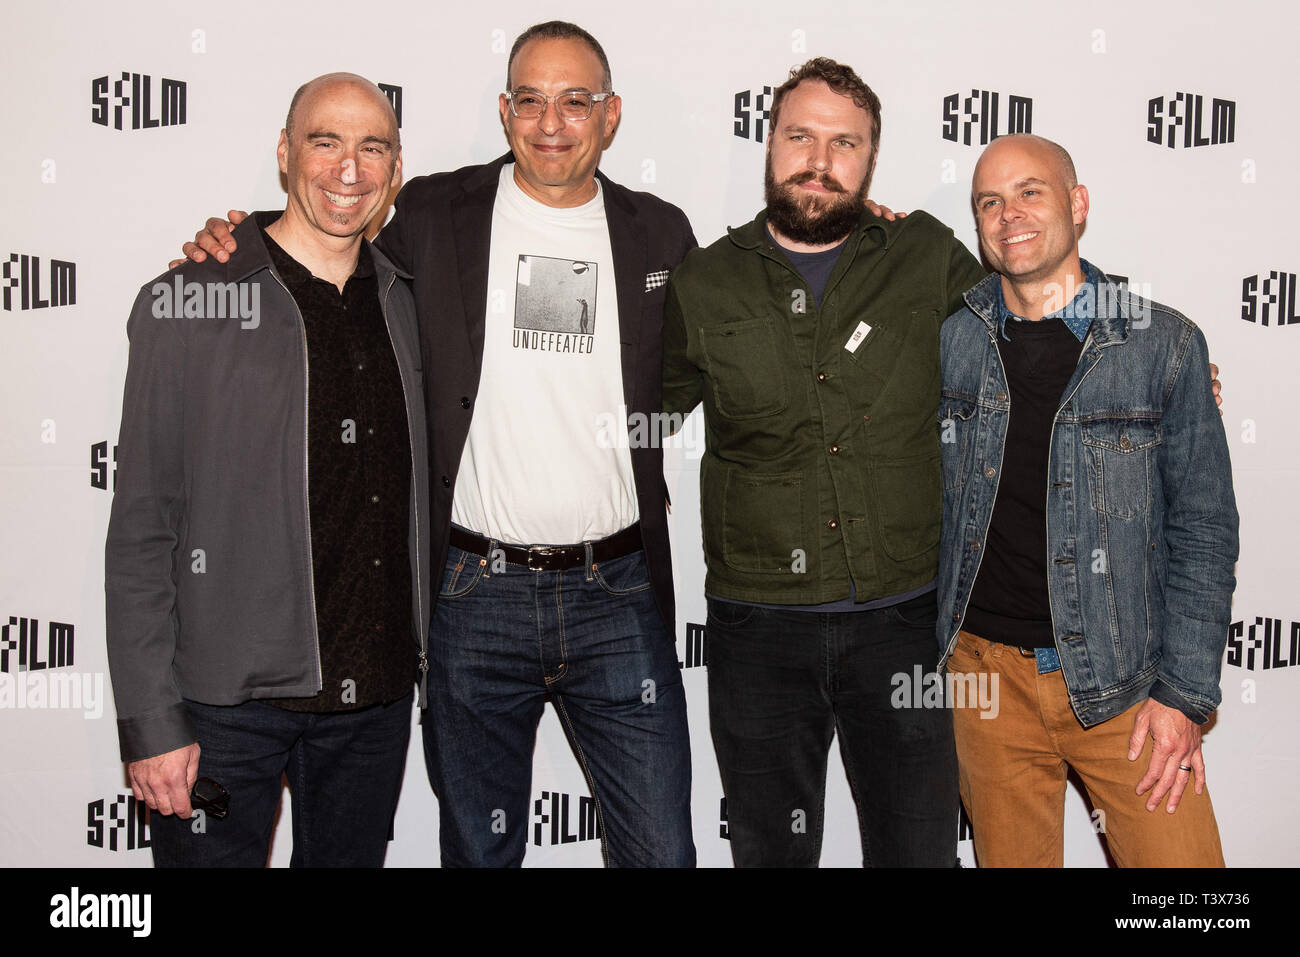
(545, 558)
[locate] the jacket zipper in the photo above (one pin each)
(415, 498)
(306, 506)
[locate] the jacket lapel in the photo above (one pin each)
(627, 241)
(471, 216)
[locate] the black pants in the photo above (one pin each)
(344, 771)
(782, 683)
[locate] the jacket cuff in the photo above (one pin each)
(148, 735)
(1170, 698)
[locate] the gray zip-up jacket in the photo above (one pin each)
(208, 570)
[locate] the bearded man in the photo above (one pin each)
(811, 335)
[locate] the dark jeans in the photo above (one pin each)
(590, 640)
(344, 771)
(781, 684)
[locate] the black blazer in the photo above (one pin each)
(441, 234)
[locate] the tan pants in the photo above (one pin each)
(1012, 771)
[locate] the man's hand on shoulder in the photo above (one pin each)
(164, 781)
(1176, 745)
(1216, 387)
(214, 239)
(884, 212)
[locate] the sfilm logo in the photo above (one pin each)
(394, 94)
(697, 653)
(23, 272)
(101, 465)
(551, 819)
(964, 115)
(751, 120)
(1269, 297)
(20, 645)
(120, 823)
(1268, 637)
(1186, 111)
(133, 94)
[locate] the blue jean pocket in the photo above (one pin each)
(622, 576)
(463, 571)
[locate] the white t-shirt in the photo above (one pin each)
(544, 463)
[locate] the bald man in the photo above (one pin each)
(1089, 537)
(261, 620)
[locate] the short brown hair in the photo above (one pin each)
(561, 30)
(840, 78)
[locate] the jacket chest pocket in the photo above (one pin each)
(744, 365)
(956, 439)
(898, 357)
(1121, 456)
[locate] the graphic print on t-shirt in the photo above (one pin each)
(555, 304)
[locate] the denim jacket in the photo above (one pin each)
(1141, 518)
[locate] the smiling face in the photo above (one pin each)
(341, 157)
(555, 158)
(819, 162)
(1027, 209)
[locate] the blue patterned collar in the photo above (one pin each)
(1077, 314)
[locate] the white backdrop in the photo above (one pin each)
(1189, 224)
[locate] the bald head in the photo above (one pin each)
(1038, 146)
(332, 82)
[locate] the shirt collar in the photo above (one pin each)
(1077, 313)
(295, 273)
(833, 253)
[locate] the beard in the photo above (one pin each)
(809, 219)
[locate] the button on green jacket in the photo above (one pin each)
(822, 456)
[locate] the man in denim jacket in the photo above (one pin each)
(1089, 539)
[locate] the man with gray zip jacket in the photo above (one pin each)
(266, 568)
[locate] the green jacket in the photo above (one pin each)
(822, 461)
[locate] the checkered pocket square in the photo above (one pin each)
(653, 280)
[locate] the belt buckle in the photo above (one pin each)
(542, 552)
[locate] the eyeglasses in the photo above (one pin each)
(571, 104)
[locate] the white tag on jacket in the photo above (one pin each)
(859, 334)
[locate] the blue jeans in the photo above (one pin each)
(344, 771)
(590, 640)
(781, 684)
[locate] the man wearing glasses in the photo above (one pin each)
(518, 378)
(551, 546)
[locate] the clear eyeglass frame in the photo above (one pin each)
(529, 104)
